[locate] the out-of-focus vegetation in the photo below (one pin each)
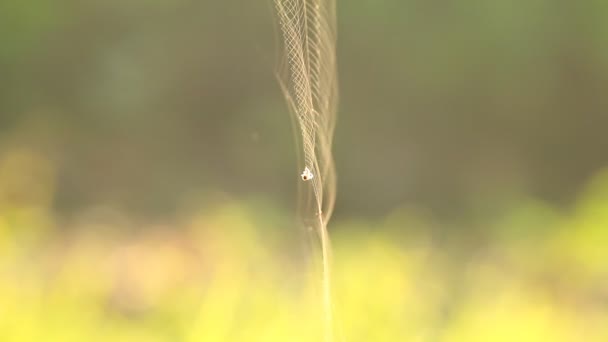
(441, 105)
(147, 173)
(237, 271)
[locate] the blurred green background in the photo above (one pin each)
(148, 173)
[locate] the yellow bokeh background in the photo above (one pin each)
(224, 273)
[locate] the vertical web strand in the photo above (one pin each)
(309, 81)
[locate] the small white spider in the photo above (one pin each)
(307, 175)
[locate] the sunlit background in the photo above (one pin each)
(148, 174)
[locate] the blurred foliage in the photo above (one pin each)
(442, 105)
(240, 270)
(147, 171)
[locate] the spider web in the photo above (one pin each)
(309, 80)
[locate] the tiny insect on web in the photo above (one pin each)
(307, 174)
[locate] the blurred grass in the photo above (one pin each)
(114, 110)
(238, 271)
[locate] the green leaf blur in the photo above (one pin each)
(148, 174)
